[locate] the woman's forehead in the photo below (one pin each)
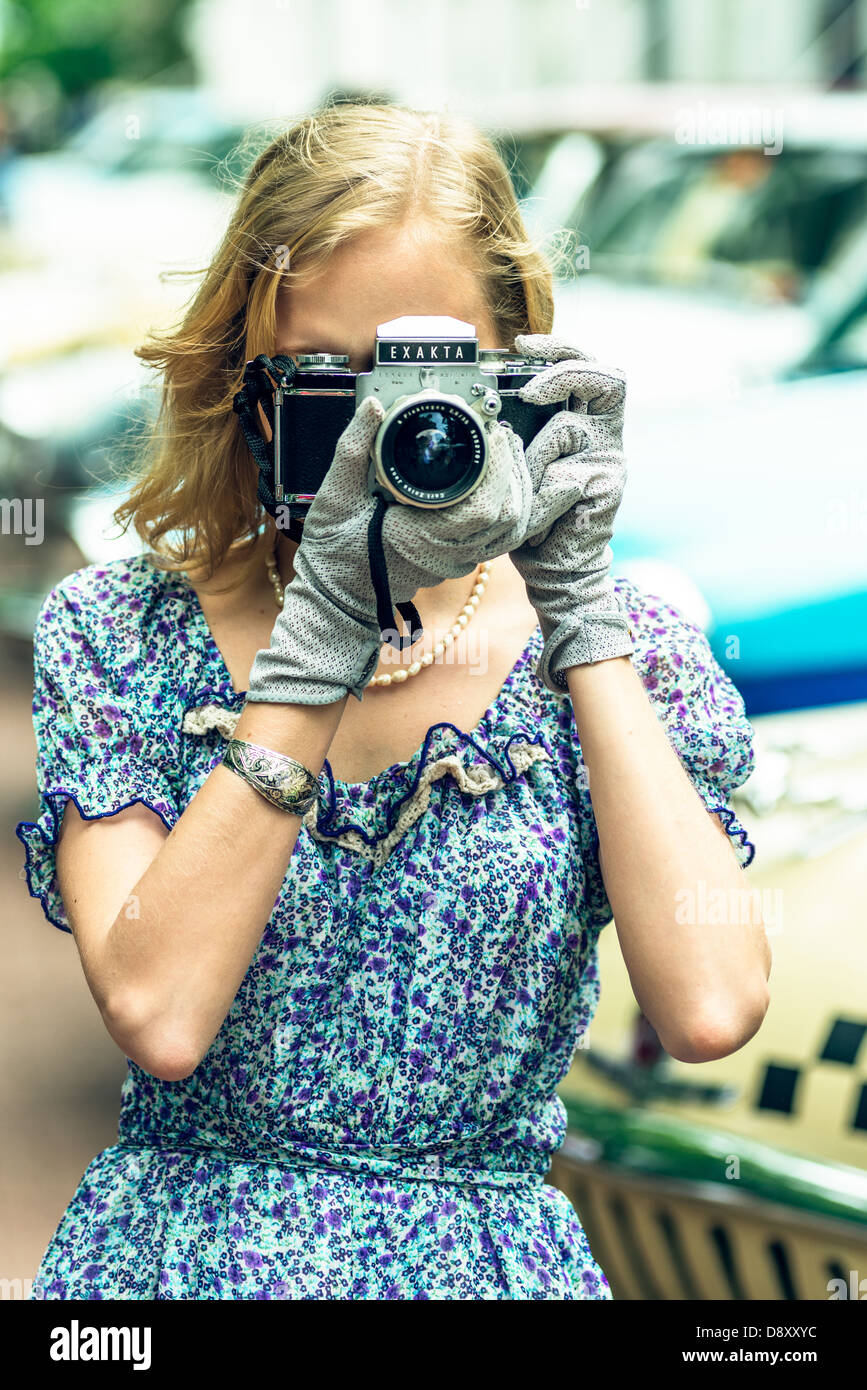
(376, 277)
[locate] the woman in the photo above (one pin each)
(345, 1021)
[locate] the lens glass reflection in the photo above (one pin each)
(433, 449)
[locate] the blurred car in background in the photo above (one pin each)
(69, 428)
(729, 283)
(696, 266)
(143, 187)
(183, 129)
(762, 500)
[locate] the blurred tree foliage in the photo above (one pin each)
(83, 43)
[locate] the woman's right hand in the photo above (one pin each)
(327, 639)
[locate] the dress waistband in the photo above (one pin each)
(455, 1164)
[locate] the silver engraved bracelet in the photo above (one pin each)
(280, 779)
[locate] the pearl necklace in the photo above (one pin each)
(404, 672)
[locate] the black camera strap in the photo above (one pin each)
(379, 575)
(262, 376)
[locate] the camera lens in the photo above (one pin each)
(433, 452)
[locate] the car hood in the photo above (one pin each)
(679, 345)
(760, 499)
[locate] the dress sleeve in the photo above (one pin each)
(700, 708)
(97, 742)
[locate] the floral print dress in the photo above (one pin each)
(378, 1112)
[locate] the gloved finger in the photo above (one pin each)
(566, 433)
(558, 556)
(587, 485)
(343, 491)
(506, 479)
(553, 460)
(347, 473)
(425, 544)
(355, 442)
(516, 506)
(579, 509)
(548, 347)
(598, 390)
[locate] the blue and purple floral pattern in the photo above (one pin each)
(378, 1112)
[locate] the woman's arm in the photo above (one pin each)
(703, 986)
(167, 924)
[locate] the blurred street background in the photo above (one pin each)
(704, 162)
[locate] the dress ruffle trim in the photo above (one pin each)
(511, 758)
(204, 718)
(743, 846)
(477, 779)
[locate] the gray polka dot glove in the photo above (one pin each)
(326, 640)
(579, 472)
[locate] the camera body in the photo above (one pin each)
(441, 395)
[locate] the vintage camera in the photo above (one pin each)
(441, 396)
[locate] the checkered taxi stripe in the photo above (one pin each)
(783, 1088)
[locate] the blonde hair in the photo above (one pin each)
(347, 167)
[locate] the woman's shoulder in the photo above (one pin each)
(129, 592)
(130, 580)
(674, 657)
(695, 698)
(653, 617)
(124, 616)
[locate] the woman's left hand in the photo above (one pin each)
(578, 457)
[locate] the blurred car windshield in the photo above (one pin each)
(751, 224)
(845, 347)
